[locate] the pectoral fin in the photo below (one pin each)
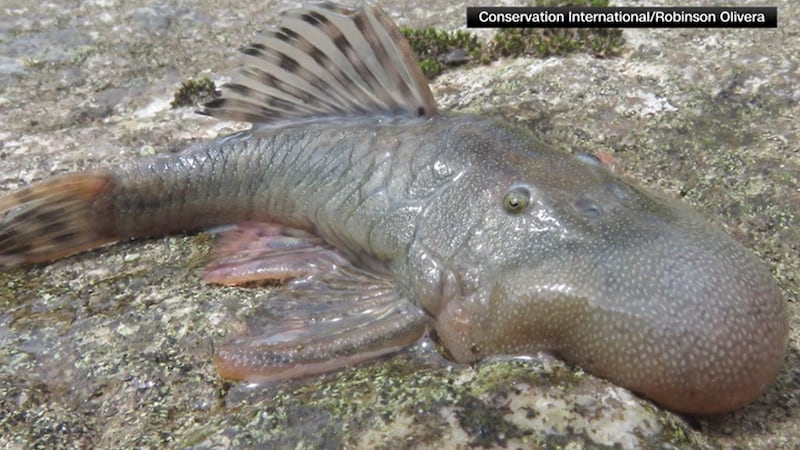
(254, 252)
(328, 314)
(321, 323)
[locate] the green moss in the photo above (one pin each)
(28, 417)
(192, 92)
(486, 423)
(27, 312)
(12, 283)
(201, 247)
(395, 387)
(544, 42)
(437, 50)
(494, 375)
(673, 431)
(399, 393)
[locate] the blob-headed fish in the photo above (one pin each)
(385, 219)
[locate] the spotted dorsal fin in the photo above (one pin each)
(326, 60)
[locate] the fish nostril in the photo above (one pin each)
(588, 158)
(620, 191)
(588, 208)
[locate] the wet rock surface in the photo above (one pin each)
(112, 348)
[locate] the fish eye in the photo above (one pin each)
(516, 199)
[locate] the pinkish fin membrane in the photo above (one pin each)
(313, 66)
(321, 323)
(253, 252)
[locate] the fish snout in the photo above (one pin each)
(691, 320)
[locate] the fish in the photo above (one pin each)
(380, 220)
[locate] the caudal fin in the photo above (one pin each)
(58, 217)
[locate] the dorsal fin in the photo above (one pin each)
(326, 60)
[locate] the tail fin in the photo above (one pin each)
(59, 217)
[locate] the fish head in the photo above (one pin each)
(570, 259)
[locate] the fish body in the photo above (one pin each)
(385, 219)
